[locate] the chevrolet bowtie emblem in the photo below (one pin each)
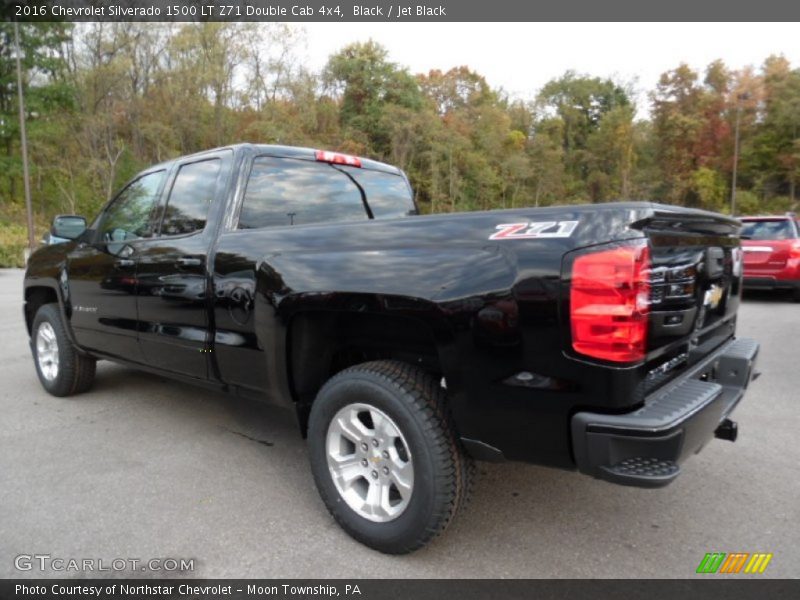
(713, 296)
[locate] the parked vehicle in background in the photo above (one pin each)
(771, 246)
(597, 338)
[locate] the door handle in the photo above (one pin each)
(124, 263)
(189, 261)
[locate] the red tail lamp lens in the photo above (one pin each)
(609, 303)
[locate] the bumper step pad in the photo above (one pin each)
(643, 466)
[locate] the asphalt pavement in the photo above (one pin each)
(142, 467)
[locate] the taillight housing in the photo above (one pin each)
(610, 302)
(794, 250)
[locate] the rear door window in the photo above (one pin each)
(286, 191)
(191, 196)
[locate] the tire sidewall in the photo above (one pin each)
(60, 386)
(369, 388)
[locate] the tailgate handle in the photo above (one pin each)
(189, 261)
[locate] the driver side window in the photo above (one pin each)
(128, 217)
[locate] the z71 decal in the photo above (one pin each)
(531, 230)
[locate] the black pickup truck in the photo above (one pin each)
(594, 338)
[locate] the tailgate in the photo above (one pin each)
(695, 286)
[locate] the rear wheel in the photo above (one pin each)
(385, 456)
(62, 370)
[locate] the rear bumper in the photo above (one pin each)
(645, 448)
(770, 283)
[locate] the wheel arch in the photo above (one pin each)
(322, 343)
(37, 296)
(43, 291)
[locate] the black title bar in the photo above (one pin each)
(708, 588)
(336, 11)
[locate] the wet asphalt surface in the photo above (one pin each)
(142, 467)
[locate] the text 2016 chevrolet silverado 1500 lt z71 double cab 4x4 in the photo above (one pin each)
(598, 338)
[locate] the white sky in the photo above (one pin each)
(521, 57)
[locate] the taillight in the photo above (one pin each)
(794, 250)
(338, 159)
(610, 301)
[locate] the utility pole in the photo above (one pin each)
(740, 98)
(24, 139)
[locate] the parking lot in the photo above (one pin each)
(142, 467)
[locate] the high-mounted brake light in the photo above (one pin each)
(338, 159)
(610, 302)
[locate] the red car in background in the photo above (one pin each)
(771, 248)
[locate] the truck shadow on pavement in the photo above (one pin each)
(515, 505)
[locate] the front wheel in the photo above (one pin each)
(385, 456)
(62, 370)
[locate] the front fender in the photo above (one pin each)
(46, 269)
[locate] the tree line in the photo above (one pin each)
(104, 100)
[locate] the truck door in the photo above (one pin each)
(171, 271)
(102, 284)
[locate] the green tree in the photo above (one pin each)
(476, 159)
(677, 123)
(613, 155)
(710, 189)
(582, 103)
(776, 149)
(367, 83)
(44, 86)
(546, 155)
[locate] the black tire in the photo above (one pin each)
(75, 371)
(442, 472)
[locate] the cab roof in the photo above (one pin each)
(279, 151)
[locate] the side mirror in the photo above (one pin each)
(68, 227)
